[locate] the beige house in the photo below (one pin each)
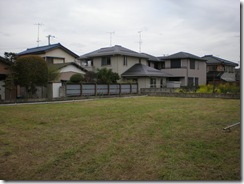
(187, 68)
(220, 70)
(130, 65)
(53, 54)
(117, 58)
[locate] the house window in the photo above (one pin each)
(162, 83)
(159, 66)
(140, 60)
(49, 60)
(153, 83)
(192, 64)
(175, 63)
(212, 68)
(125, 61)
(106, 61)
(196, 82)
(148, 63)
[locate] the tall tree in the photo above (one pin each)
(31, 71)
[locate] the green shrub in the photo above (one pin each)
(76, 78)
(223, 88)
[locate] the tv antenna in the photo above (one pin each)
(111, 33)
(140, 41)
(38, 27)
(49, 36)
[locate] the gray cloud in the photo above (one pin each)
(168, 26)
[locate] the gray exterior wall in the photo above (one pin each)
(185, 72)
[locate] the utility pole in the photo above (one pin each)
(140, 41)
(38, 26)
(49, 36)
(111, 33)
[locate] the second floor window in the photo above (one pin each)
(192, 64)
(175, 63)
(106, 61)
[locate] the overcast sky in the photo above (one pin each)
(199, 27)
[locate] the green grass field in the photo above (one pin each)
(145, 138)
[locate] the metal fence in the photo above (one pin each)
(100, 89)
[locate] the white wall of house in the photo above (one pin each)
(56, 89)
(58, 54)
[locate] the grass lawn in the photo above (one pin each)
(146, 138)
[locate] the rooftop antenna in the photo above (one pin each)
(49, 36)
(111, 33)
(140, 41)
(38, 26)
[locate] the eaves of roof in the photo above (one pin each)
(213, 60)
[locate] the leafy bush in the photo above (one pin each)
(229, 88)
(76, 78)
(223, 88)
(205, 89)
(106, 76)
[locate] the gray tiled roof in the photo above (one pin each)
(111, 51)
(181, 55)
(62, 65)
(213, 60)
(44, 49)
(140, 70)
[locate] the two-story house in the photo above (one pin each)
(130, 65)
(53, 54)
(187, 68)
(219, 70)
(117, 58)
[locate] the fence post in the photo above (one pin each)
(119, 89)
(80, 89)
(130, 88)
(108, 89)
(137, 86)
(95, 89)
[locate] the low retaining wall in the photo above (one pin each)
(192, 95)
